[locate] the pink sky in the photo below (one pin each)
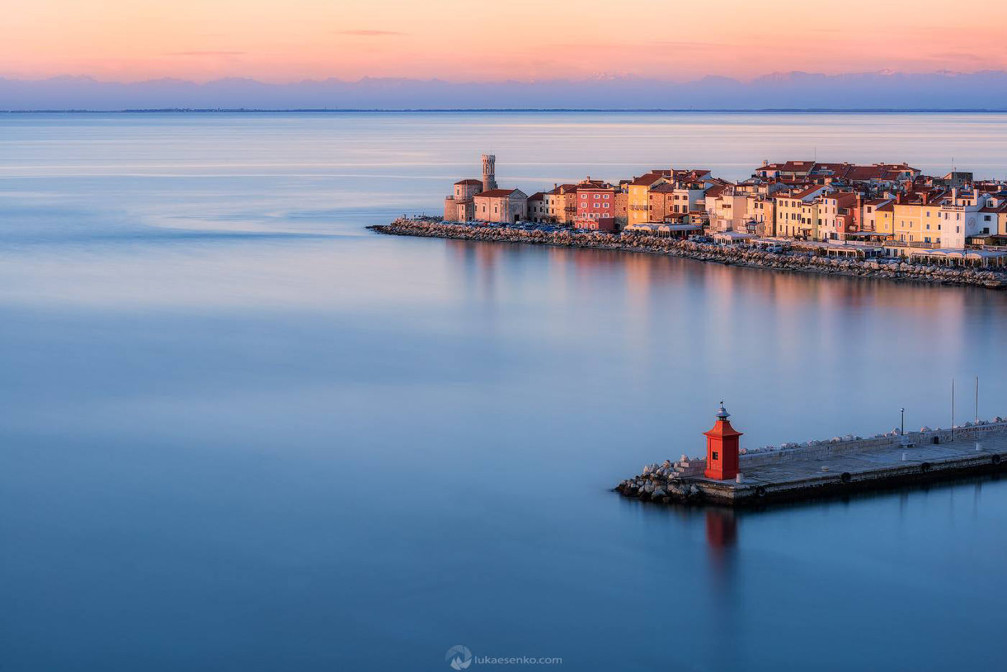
(462, 40)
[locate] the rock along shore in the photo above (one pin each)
(792, 261)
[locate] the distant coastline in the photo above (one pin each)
(524, 110)
(941, 91)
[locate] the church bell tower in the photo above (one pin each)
(489, 172)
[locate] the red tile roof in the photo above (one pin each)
(650, 178)
(496, 193)
(807, 192)
(665, 188)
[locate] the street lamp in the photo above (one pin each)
(903, 431)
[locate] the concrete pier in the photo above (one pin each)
(829, 468)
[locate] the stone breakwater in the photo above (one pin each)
(840, 465)
(738, 255)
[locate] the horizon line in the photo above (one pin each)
(338, 110)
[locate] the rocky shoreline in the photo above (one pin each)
(793, 261)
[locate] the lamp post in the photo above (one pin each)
(902, 432)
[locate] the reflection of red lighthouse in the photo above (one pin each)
(721, 530)
(722, 448)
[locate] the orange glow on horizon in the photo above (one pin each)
(131, 40)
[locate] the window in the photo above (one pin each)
(716, 455)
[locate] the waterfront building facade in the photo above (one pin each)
(838, 215)
(884, 204)
(460, 206)
(538, 208)
(501, 206)
(595, 200)
(797, 212)
(638, 195)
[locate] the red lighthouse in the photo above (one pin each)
(722, 448)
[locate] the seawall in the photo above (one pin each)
(794, 261)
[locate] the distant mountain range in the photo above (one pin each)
(794, 90)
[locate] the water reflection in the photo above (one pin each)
(286, 431)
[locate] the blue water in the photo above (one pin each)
(240, 432)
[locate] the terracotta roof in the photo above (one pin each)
(665, 188)
(690, 174)
(807, 192)
(797, 166)
(496, 193)
(537, 196)
(650, 178)
(836, 169)
(843, 198)
(470, 181)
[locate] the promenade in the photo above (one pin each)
(792, 260)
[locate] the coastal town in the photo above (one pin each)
(884, 211)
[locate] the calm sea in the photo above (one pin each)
(240, 432)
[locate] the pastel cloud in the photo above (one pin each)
(206, 53)
(370, 33)
(464, 41)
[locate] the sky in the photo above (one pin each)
(466, 41)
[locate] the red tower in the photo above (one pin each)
(722, 448)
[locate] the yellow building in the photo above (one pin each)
(808, 222)
(797, 212)
(869, 216)
(638, 196)
(761, 211)
(884, 216)
(916, 220)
